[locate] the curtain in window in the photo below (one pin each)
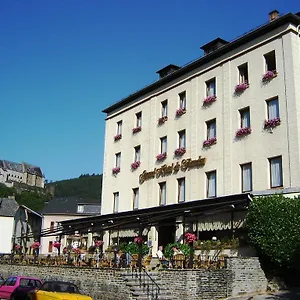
(182, 100)
(181, 184)
(116, 202)
(211, 88)
(118, 160)
(164, 110)
(276, 172)
(211, 130)
(163, 194)
(211, 182)
(139, 120)
(137, 156)
(119, 129)
(245, 119)
(182, 139)
(136, 199)
(273, 109)
(247, 177)
(163, 145)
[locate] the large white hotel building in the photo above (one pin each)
(221, 128)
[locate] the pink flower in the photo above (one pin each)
(135, 165)
(180, 151)
(180, 111)
(241, 87)
(162, 120)
(209, 142)
(138, 240)
(190, 237)
(161, 156)
(57, 245)
(136, 129)
(118, 137)
(17, 247)
(210, 99)
(98, 243)
(269, 75)
(35, 245)
(116, 170)
(272, 123)
(243, 131)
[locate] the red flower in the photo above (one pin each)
(161, 156)
(138, 240)
(98, 243)
(190, 237)
(180, 111)
(118, 137)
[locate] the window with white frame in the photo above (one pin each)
(211, 129)
(211, 87)
(270, 61)
(163, 144)
(243, 73)
(119, 127)
(135, 198)
(116, 202)
(162, 193)
(137, 153)
(211, 184)
(276, 179)
(181, 139)
(182, 100)
(273, 108)
(138, 119)
(118, 160)
(181, 189)
(164, 108)
(245, 117)
(246, 170)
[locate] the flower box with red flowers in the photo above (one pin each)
(190, 237)
(136, 129)
(138, 240)
(17, 247)
(57, 245)
(272, 123)
(209, 142)
(162, 120)
(117, 137)
(180, 111)
(116, 170)
(161, 156)
(269, 75)
(241, 87)
(243, 131)
(35, 245)
(99, 243)
(210, 99)
(135, 165)
(180, 151)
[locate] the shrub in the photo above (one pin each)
(168, 252)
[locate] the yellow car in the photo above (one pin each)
(59, 290)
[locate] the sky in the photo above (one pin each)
(63, 61)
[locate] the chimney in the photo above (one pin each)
(273, 15)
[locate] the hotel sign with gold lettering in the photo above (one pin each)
(183, 165)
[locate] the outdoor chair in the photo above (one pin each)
(179, 260)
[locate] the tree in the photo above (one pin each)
(273, 224)
(6, 191)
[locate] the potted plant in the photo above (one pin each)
(180, 111)
(161, 156)
(243, 131)
(162, 120)
(117, 137)
(210, 99)
(209, 142)
(241, 87)
(116, 170)
(272, 123)
(180, 151)
(269, 75)
(136, 129)
(135, 165)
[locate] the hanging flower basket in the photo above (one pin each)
(35, 245)
(138, 240)
(116, 170)
(161, 156)
(209, 100)
(17, 247)
(162, 120)
(99, 243)
(269, 76)
(180, 111)
(57, 245)
(209, 142)
(190, 237)
(136, 129)
(180, 151)
(241, 87)
(243, 131)
(272, 123)
(135, 165)
(118, 137)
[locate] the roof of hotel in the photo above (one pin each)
(249, 36)
(8, 207)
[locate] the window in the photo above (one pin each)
(162, 193)
(243, 73)
(137, 153)
(50, 247)
(182, 100)
(80, 208)
(116, 202)
(135, 198)
(276, 172)
(52, 226)
(119, 127)
(11, 281)
(211, 129)
(211, 184)
(139, 119)
(273, 108)
(181, 139)
(246, 170)
(118, 160)
(211, 87)
(163, 144)
(181, 189)
(270, 61)
(245, 117)
(164, 108)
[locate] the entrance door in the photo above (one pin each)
(166, 233)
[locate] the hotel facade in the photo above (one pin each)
(221, 128)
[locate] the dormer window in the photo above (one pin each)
(213, 45)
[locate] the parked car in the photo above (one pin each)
(58, 290)
(17, 287)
